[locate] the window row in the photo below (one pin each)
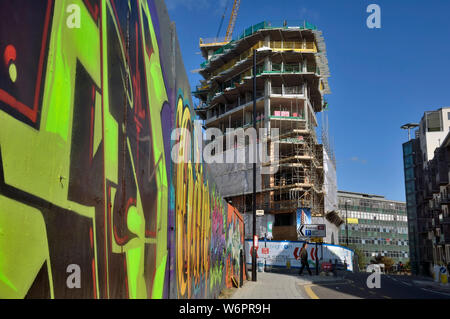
(375, 216)
(375, 241)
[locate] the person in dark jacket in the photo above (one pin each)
(304, 259)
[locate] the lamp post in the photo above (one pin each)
(254, 171)
(346, 221)
(395, 217)
(408, 127)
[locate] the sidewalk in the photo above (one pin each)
(278, 285)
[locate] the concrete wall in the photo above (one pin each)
(332, 231)
(330, 199)
(91, 204)
(429, 141)
(330, 183)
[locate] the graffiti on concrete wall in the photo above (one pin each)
(86, 178)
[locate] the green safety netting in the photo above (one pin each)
(256, 27)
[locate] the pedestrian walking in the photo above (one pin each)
(304, 259)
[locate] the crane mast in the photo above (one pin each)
(232, 22)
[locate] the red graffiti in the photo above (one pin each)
(296, 253)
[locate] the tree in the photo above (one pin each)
(408, 265)
(387, 261)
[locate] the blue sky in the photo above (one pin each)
(380, 78)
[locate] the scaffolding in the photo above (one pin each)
(299, 180)
(291, 80)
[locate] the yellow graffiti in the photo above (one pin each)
(193, 220)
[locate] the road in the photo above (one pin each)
(354, 286)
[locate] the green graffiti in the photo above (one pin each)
(85, 179)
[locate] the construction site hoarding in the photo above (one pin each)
(285, 254)
(87, 184)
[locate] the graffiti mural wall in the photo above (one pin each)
(90, 91)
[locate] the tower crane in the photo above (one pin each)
(232, 22)
(209, 45)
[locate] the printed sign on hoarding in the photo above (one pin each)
(303, 217)
(281, 253)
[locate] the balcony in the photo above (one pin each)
(444, 199)
(288, 90)
(275, 46)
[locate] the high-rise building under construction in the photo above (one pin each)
(291, 81)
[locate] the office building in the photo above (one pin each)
(375, 225)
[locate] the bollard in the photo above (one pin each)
(443, 276)
(260, 266)
(436, 273)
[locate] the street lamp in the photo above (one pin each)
(408, 127)
(254, 260)
(395, 221)
(346, 220)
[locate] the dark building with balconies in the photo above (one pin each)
(427, 193)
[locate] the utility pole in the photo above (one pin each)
(254, 171)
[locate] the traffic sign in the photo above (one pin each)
(312, 230)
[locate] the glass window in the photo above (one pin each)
(434, 122)
(408, 161)
(407, 149)
(409, 173)
(410, 187)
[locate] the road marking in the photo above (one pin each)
(387, 297)
(310, 293)
(436, 292)
(373, 293)
(405, 283)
